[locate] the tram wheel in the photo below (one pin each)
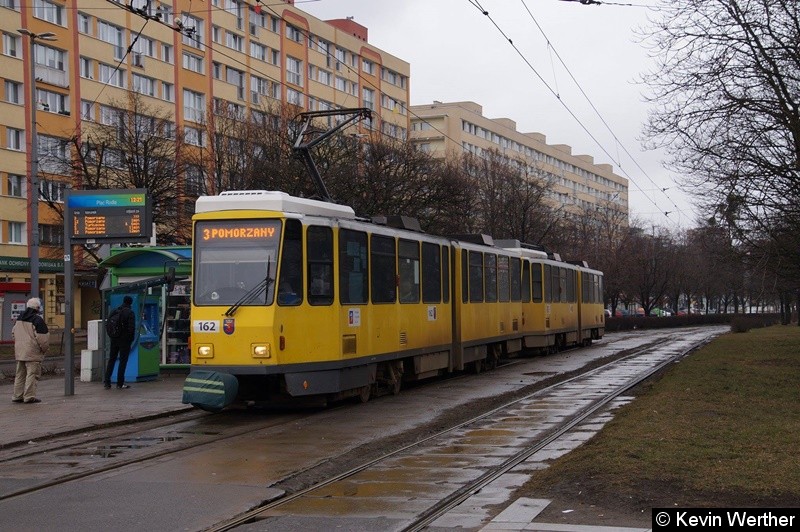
(365, 393)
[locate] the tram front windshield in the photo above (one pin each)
(235, 262)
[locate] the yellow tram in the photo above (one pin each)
(297, 297)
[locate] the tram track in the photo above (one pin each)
(320, 495)
(76, 456)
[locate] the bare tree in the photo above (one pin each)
(727, 110)
(510, 201)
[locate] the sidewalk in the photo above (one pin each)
(90, 406)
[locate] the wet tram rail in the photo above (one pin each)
(69, 457)
(414, 487)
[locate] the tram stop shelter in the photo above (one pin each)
(162, 316)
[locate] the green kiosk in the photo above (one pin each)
(161, 305)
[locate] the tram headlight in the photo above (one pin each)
(205, 351)
(261, 350)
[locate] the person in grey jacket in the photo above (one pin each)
(31, 340)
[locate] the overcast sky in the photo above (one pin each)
(456, 53)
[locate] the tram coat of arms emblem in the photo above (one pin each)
(228, 325)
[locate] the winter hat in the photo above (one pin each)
(34, 303)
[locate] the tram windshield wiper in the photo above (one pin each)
(251, 295)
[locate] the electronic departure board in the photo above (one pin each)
(114, 215)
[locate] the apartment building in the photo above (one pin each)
(576, 181)
(184, 58)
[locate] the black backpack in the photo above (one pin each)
(114, 324)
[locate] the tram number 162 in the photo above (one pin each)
(203, 326)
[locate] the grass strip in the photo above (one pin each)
(722, 427)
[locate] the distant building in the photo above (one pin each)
(186, 59)
(451, 128)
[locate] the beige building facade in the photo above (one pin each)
(575, 181)
(184, 58)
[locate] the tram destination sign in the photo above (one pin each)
(113, 215)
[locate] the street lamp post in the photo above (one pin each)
(33, 195)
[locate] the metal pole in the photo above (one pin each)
(69, 364)
(33, 194)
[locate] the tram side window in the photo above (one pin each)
(516, 289)
(548, 283)
(290, 287)
(408, 253)
(465, 268)
(490, 263)
(599, 286)
(353, 287)
(503, 281)
(538, 294)
(559, 285)
(585, 287)
(571, 296)
(475, 277)
(431, 273)
(383, 265)
(319, 250)
(446, 274)
(526, 282)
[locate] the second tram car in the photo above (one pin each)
(297, 297)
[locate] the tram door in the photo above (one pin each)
(305, 293)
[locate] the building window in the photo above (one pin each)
(145, 46)
(87, 68)
(193, 31)
(113, 35)
(258, 51)
(295, 97)
(194, 105)
(84, 23)
(235, 41)
(294, 71)
(194, 136)
(52, 190)
(369, 99)
(15, 139)
(194, 181)
(167, 55)
(294, 34)
(167, 91)
(144, 85)
(17, 185)
(13, 92)
(52, 102)
(11, 45)
(51, 235)
(193, 62)
(112, 75)
(48, 11)
(167, 15)
(87, 110)
(368, 67)
(16, 232)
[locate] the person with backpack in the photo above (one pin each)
(121, 328)
(31, 340)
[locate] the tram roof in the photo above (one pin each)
(271, 200)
